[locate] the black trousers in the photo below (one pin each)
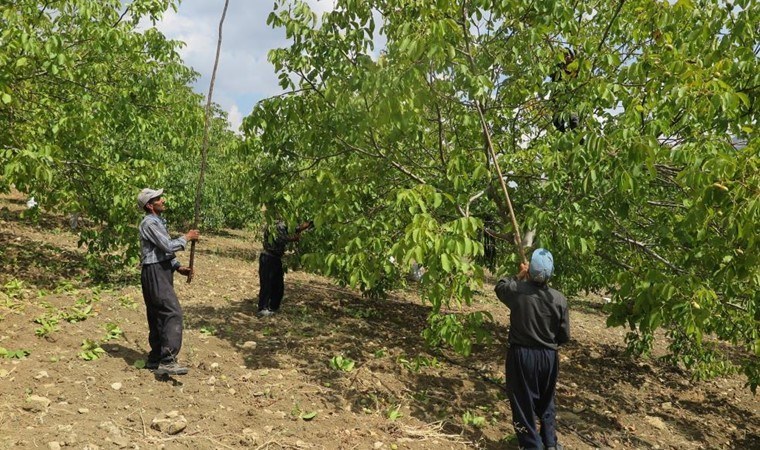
(531, 382)
(163, 310)
(271, 282)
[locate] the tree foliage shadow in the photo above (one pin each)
(128, 354)
(250, 254)
(319, 321)
(37, 218)
(587, 306)
(40, 265)
(603, 373)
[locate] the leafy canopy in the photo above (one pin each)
(653, 197)
(95, 104)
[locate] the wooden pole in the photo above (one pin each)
(487, 134)
(204, 151)
(492, 153)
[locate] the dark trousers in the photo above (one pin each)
(271, 282)
(531, 381)
(163, 310)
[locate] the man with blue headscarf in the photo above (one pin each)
(539, 323)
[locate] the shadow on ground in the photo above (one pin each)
(393, 366)
(40, 265)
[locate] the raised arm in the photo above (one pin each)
(506, 288)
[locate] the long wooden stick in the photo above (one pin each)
(515, 225)
(487, 134)
(204, 151)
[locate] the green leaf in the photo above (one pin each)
(445, 262)
(308, 415)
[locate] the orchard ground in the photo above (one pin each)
(268, 383)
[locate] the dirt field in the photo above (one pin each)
(267, 383)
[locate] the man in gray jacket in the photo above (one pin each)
(157, 279)
(539, 323)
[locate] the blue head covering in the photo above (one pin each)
(541, 265)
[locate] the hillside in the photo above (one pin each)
(268, 383)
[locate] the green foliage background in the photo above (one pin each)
(94, 108)
(654, 198)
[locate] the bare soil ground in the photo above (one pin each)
(267, 383)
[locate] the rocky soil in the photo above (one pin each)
(69, 376)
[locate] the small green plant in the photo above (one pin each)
(469, 418)
(128, 302)
(47, 305)
(84, 301)
(112, 331)
(64, 286)
(380, 353)
(421, 396)
(295, 411)
(78, 313)
(419, 362)
(14, 354)
(208, 330)
(395, 413)
(91, 350)
(9, 303)
(509, 439)
(343, 364)
(48, 324)
(13, 288)
(361, 313)
(10, 293)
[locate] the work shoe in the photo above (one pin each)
(151, 365)
(171, 368)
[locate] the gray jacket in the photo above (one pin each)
(155, 243)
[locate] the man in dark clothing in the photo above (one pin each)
(539, 323)
(157, 279)
(271, 273)
(562, 120)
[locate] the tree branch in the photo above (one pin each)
(609, 25)
(381, 155)
(643, 246)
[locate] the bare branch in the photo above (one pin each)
(609, 25)
(381, 155)
(645, 247)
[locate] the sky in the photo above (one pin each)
(244, 75)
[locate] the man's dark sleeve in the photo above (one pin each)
(506, 289)
(563, 334)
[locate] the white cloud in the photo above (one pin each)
(321, 6)
(244, 75)
(235, 118)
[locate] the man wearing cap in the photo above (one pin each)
(271, 272)
(157, 279)
(539, 323)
